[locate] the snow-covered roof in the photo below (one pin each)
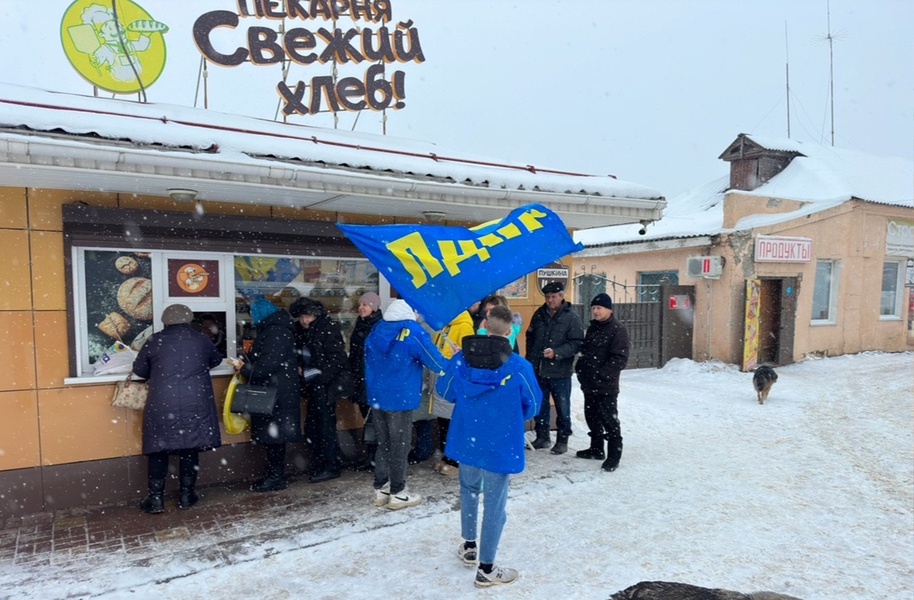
(52, 139)
(819, 177)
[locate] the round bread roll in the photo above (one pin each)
(114, 325)
(135, 297)
(140, 339)
(126, 265)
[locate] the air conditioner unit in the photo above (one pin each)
(708, 267)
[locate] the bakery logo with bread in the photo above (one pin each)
(199, 278)
(116, 46)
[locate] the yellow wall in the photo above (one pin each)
(46, 422)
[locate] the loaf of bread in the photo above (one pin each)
(135, 298)
(126, 265)
(140, 339)
(114, 325)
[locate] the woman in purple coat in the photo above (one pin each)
(180, 415)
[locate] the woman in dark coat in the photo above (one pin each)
(272, 361)
(319, 337)
(180, 414)
(369, 315)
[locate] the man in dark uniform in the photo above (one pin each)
(553, 339)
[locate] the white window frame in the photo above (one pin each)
(898, 300)
(159, 260)
(834, 287)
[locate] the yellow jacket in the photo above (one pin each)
(454, 331)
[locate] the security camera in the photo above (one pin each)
(643, 229)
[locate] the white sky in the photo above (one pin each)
(649, 91)
(810, 494)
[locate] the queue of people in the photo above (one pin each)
(472, 365)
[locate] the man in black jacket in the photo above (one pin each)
(553, 339)
(603, 356)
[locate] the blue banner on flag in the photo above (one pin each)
(440, 271)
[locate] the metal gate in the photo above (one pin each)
(658, 331)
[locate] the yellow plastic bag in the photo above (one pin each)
(233, 423)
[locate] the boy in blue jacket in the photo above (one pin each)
(395, 352)
(495, 392)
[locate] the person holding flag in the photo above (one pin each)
(395, 352)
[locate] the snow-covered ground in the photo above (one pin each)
(811, 494)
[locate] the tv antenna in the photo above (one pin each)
(831, 66)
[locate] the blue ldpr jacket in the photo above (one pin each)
(491, 406)
(395, 352)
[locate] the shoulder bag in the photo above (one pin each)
(254, 399)
(130, 394)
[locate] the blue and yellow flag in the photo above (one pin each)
(440, 271)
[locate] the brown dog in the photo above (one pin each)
(762, 381)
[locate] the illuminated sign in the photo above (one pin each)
(771, 248)
(370, 40)
(116, 46)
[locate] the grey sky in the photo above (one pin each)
(650, 91)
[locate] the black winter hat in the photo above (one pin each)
(602, 300)
(306, 306)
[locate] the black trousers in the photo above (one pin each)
(602, 417)
(320, 428)
(188, 463)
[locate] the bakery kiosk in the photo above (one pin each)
(111, 210)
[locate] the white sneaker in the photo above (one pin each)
(382, 496)
(469, 556)
(403, 499)
(498, 576)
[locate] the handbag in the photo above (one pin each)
(254, 399)
(439, 406)
(130, 394)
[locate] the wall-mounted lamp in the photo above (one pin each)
(434, 216)
(182, 195)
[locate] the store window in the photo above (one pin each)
(890, 300)
(825, 293)
(125, 266)
(649, 283)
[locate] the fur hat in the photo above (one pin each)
(372, 300)
(602, 300)
(554, 287)
(177, 314)
(306, 306)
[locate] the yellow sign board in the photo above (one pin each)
(116, 46)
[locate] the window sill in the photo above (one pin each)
(105, 379)
(822, 323)
(889, 318)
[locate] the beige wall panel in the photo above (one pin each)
(365, 219)
(13, 213)
(16, 283)
(44, 205)
(137, 201)
(49, 291)
(17, 352)
(79, 423)
(51, 348)
(308, 215)
(19, 443)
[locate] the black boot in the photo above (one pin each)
(154, 503)
(276, 470)
(188, 493)
(542, 440)
(613, 457)
(595, 452)
(368, 463)
(561, 444)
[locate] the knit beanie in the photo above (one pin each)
(372, 300)
(602, 300)
(261, 309)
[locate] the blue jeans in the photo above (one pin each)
(494, 488)
(560, 388)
